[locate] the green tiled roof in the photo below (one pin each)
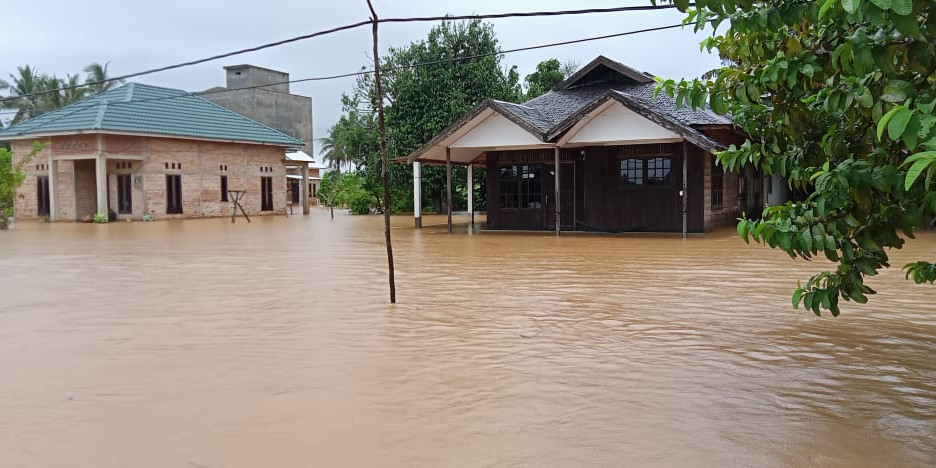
(140, 108)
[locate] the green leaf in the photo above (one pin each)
(882, 4)
(681, 5)
(825, 8)
(717, 102)
(898, 91)
(882, 124)
(850, 5)
(916, 169)
(743, 230)
(902, 7)
(898, 123)
(908, 26)
(797, 295)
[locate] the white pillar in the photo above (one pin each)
(100, 166)
(304, 190)
(53, 189)
(471, 193)
(417, 194)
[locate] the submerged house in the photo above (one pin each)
(599, 152)
(139, 149)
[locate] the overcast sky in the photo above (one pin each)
(133, 36)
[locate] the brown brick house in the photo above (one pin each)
(140, 149)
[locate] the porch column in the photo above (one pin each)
(558, 209)
(417, 194)
(685, 189)
(53, 189)
(100, 166)
(448, 186)
(471, 194)
(304, 190)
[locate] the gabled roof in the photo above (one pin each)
(144, 109)
(548, 116)
(602, 63)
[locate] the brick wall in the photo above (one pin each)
(730, 209)
(200, 163)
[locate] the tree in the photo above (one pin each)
(423, 100)
(11, 176)
(96, 78)
(548, 74)
(837, 96)
(25, 84)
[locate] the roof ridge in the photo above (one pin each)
(99, 120)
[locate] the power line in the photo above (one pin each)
(345, 28)
(405, 67)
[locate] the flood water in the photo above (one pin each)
(203, 344)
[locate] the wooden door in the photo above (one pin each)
(567, 194)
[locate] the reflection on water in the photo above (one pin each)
(205, 344)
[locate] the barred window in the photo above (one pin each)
(509, 189)
(632, 171)
(658, 171)
(718, 186)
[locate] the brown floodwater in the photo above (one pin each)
(203, 344)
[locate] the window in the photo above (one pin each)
(530, 186)
(632, 171)
(124, 194)
(224, 190)
(173, 194)
(312, 188)
(266, 194)
(646, 171)
(509, 189)
(42, 196)
(718, 186)
(658, 171)
(521, 186)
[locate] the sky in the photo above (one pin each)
(138, 35)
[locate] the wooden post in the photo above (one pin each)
(417, 194)
(685, 189)
(383, 156)
(448, 186)
(558, 209)
(471, 195)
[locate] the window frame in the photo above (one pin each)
(224, 188)
(627, 175)
(717, 188)
(174, 194)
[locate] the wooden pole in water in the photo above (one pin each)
(685, 189)
(448, 186)
(471, 195)
(383, 156)
(558, 209)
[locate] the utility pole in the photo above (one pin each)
(383, 156)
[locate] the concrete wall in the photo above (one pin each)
(242, 76)
(200, 163)
(288, 113)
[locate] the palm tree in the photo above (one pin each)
(74, 91)
(333, 151)
(24, 91)
(96, 78)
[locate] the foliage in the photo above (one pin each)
(548, 74)
(421, 101)
(838, 97)
(99, 218)
(28, 82)
(10, 178)
(346, 190)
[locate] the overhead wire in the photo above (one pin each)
(345, 28)
(404, 67)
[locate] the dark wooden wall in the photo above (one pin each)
(602, 203)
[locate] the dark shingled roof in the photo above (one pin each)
(551, 114)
